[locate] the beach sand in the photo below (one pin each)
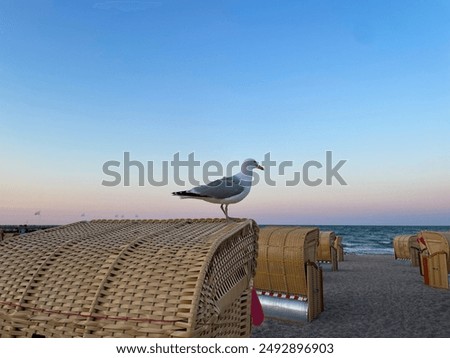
(372, 296)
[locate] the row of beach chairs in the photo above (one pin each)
(160, 278)
(428, 250)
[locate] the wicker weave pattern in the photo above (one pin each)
(129, 278)
(403, 245)
(436, 243)
(326, 242)
(315, 290)
(282, 256)
(339, 248)
(326, 251)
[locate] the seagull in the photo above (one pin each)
(225, 191)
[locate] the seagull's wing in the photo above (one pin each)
(219, 189)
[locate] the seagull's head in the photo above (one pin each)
(248, 165)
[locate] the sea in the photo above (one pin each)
(373, 240)
(356, 239)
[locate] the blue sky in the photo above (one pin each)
(81, 82)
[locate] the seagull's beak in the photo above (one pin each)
(259, 167)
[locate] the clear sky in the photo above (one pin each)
(82, 82)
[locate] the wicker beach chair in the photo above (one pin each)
(130, 278)
(406, 247)
(326, 252)
(339, 248)
(287, 278)
(415, 252)
(435, 257)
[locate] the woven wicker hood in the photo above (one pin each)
(129, 278)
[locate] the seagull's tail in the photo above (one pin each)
(187, 195)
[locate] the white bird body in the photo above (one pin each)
(225, 191)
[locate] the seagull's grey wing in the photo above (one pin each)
(220, 188)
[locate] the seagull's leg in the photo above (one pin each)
(223, 210)
(226, 214)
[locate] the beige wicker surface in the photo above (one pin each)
(435, 270)
(315, 290)
(10, 235)
(286, 264)
(326, 252)
(339, 248)
(435, 257)
(282, 255)
(129, 278)
(414, 252)
(435, 242)
(402, 246)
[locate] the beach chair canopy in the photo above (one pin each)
(433, 243)
(282, 256)
(403, 245)
(129, 278)
(326, 242)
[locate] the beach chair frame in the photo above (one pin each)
(435, 258)
(339, 248)
(326, 251)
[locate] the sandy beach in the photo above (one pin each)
(372, 296)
